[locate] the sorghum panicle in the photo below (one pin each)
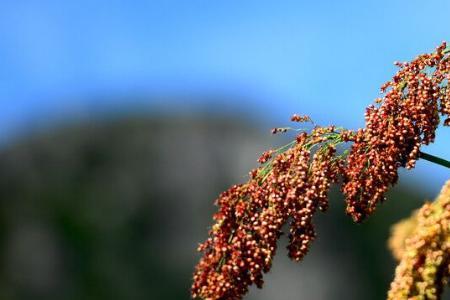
(242, 243)
(422, 244)
(406, 118)
(292, 182)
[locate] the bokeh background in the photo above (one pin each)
(121, 121)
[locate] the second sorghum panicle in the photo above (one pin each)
(422, 245)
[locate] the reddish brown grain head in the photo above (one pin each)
(405, 119)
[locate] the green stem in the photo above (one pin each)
(435, 159)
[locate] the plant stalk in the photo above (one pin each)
(435, 159)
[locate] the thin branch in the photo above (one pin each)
(435, 159)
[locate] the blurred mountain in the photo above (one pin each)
(115, 210)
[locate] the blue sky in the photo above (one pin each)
(324, 58)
